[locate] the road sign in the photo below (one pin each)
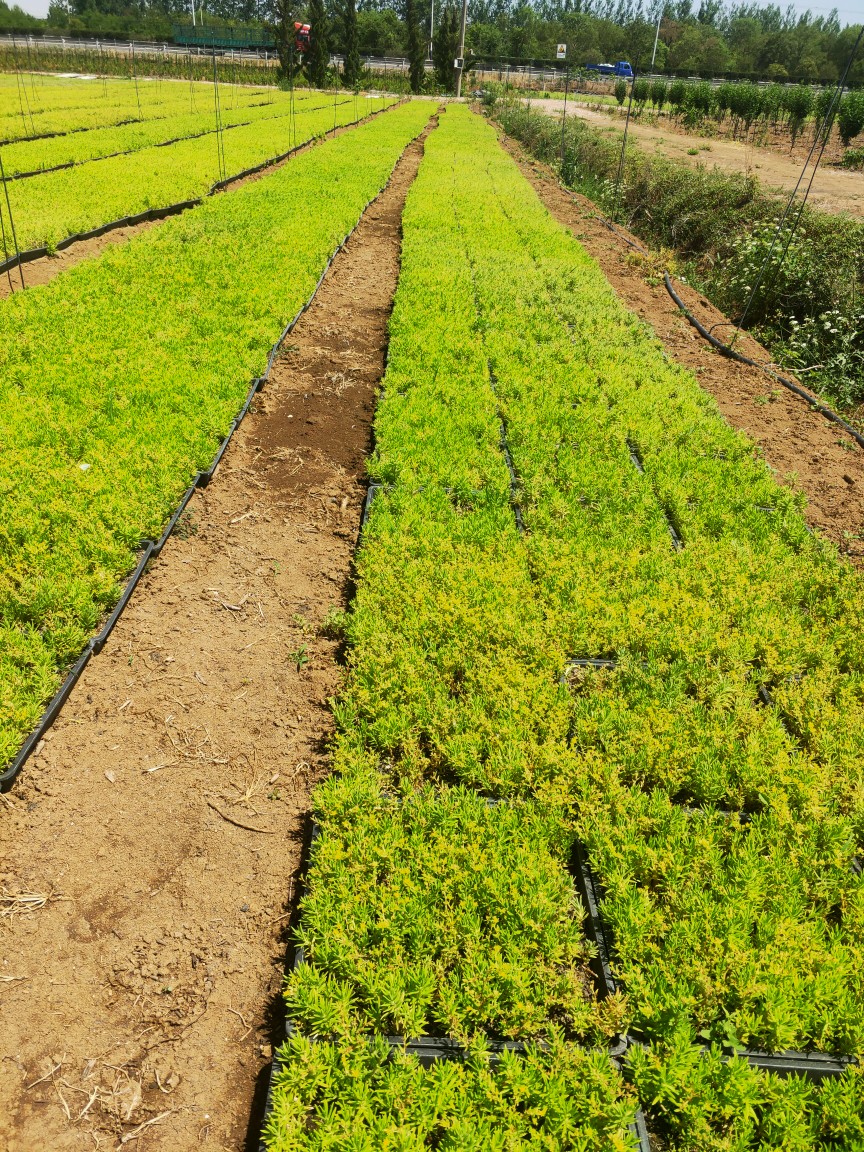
(562, 52)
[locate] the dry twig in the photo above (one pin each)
(239, 823)
(137, 1131)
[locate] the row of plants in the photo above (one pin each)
(123, 63)
(121, 376)
(51, 206)
(37, 105)
(711, 769)
(749, 106)
(719, 227)
(429, 910)
(191, 115)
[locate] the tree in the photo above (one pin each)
(445, 46)
(850, 116)
(352, 67)
(281, 27)
(416, 48)
(379, 33)
(318, 56)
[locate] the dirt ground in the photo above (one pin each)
(43, 270)
(150, 851)
(833, 190)
(802, 448)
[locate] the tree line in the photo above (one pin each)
(705, 38)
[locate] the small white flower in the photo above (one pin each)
(83, 467)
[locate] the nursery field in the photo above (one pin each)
(589, 626)
(40, 106)
(585, 872)
(123, 165)
(121, 377)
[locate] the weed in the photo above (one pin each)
(299, 657)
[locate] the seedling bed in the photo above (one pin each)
(428, 1050)
(151, 549)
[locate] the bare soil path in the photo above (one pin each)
(833, 190)
(802, 448)
(159, 828)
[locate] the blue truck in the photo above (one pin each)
(622, 69)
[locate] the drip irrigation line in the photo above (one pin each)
(150, 549)
(11, 226)
(727, 350)
(151, 214)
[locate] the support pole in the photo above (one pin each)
(564, 116)
(461, 67)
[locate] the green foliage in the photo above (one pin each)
(712, 1103)
(808, 306)
(677, 94)
(317, 61)
(49, 207)
(416, 48)
(134, 365)
(620, 91)
(354, 1097)
(445, 46)
(724, 932)
(659, 93)
(352, 67)
(854, 158)
(850, 116)
(170, 114)
(440, 914)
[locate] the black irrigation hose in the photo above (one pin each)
(725, 350)
(143, 148)
(30, 254)
(151, 549)
(72, 131)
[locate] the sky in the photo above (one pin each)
(849, 13)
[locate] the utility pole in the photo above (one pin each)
(459, 64)
(656, 37)
(432, 30)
